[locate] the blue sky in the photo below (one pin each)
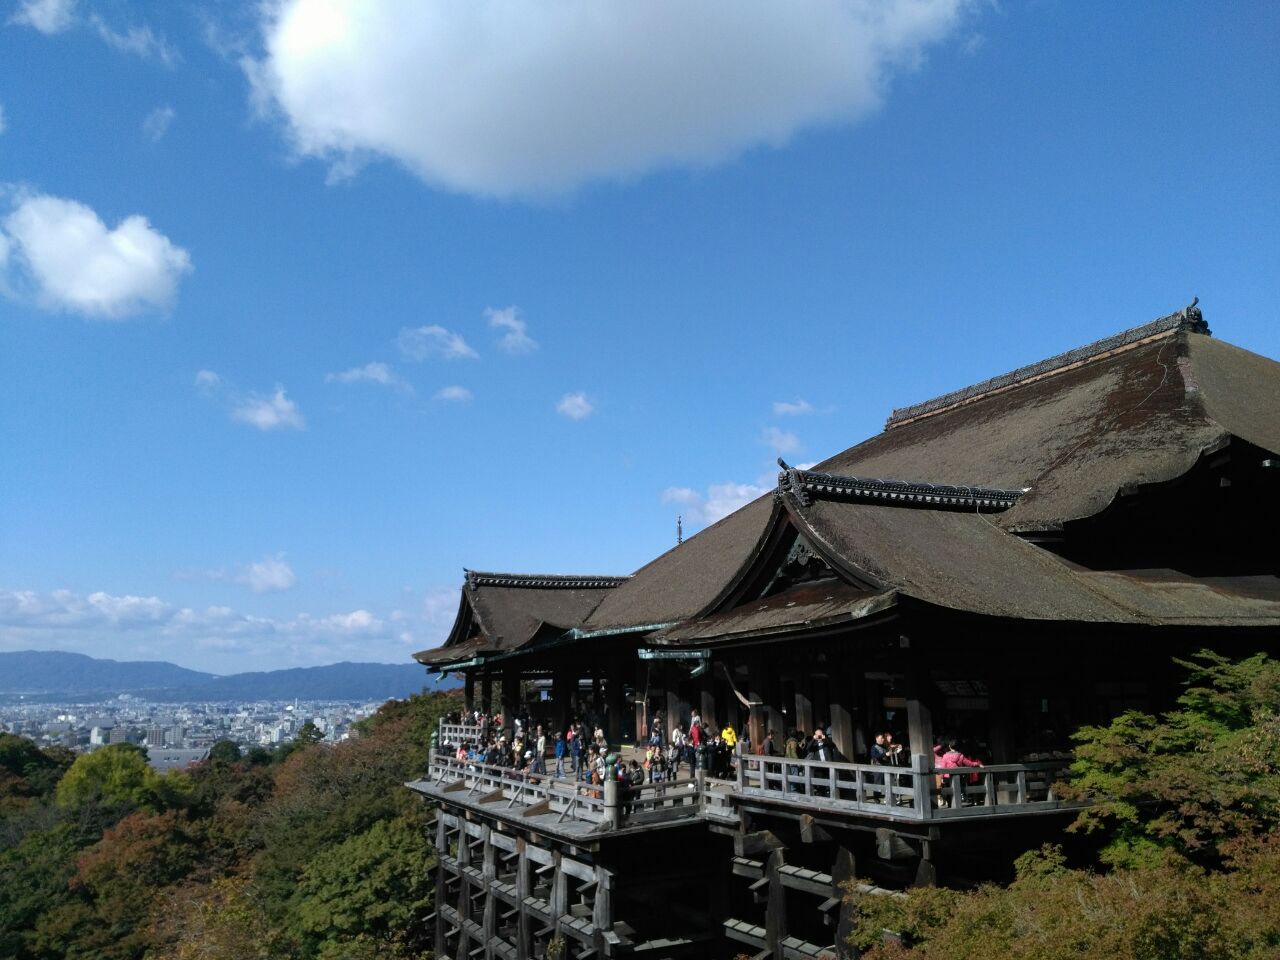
(305, 306)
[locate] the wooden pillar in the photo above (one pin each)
(775, 929)
(756, 694)
(442, 850)
(707, 696)
(616, 700)
(510, 700)
(804, 702)
(562, 684)
(1002, 712)
(670, 683)
(597, 705)
(643, 720)
(919, 716)
(469, 691)
(524, 947)
(486, 693)
(775, 718)
(842, 705)
(844, 872)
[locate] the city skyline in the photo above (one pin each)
(303, 312)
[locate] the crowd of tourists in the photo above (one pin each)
(582, 752)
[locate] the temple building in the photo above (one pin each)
(1002, 565)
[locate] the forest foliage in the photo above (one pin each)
(1185, 809)
(308, 851)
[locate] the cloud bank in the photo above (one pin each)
(521, 98)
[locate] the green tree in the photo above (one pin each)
(118, 775)
(309, 734)
(376, 884)
(224, 752)
(1195, 783)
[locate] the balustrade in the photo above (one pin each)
(888, 792)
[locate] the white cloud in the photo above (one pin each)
(268, 575)
(157, 123)
(424, 343)
(273, 411)
(792, 408)
(528, 98)
(207, 382)
(68, 259)
(96, 622)
(47, 16)
(575, 406)
(720, 500)
(454, 394)
(375, 372)
(56, 16)
(139, 41)
(780, 441)
(516, 339)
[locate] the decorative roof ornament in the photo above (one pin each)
(805, 486)
(1187, 320)
(789, 482)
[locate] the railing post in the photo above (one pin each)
(1022, 786)
(612, 812)
(989, 784)
(921, 781)
(742, 772)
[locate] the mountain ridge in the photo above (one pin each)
(56, 674)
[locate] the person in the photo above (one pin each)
(728, 735)
(820, 748)
(896, 755)
(880, 751)
(540, 752)
(950, 759)
(559, 748)
(575, 749)
(768, 748)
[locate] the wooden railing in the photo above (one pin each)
(457, 733)
(902, 793)
(894, 793)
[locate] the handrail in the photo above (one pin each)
(897, 793)
(904, 793)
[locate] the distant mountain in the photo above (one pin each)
(56, 675)
(337, 681)
(34, 671)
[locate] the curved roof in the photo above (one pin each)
(1077, 437)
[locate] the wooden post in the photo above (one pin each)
(469, 692)
(842, 693)
(510, 700)
(612, 810)
(707, 697)
(616, 699)
(775, 719)
(674, 718)
(919, 694)
(486, 693)
(775, 922)
(523, 938)
(562, 684)
(804, 702)
(644, 722)
(756, 694)
(844, 871)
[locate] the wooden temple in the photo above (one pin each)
(1001, 564)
